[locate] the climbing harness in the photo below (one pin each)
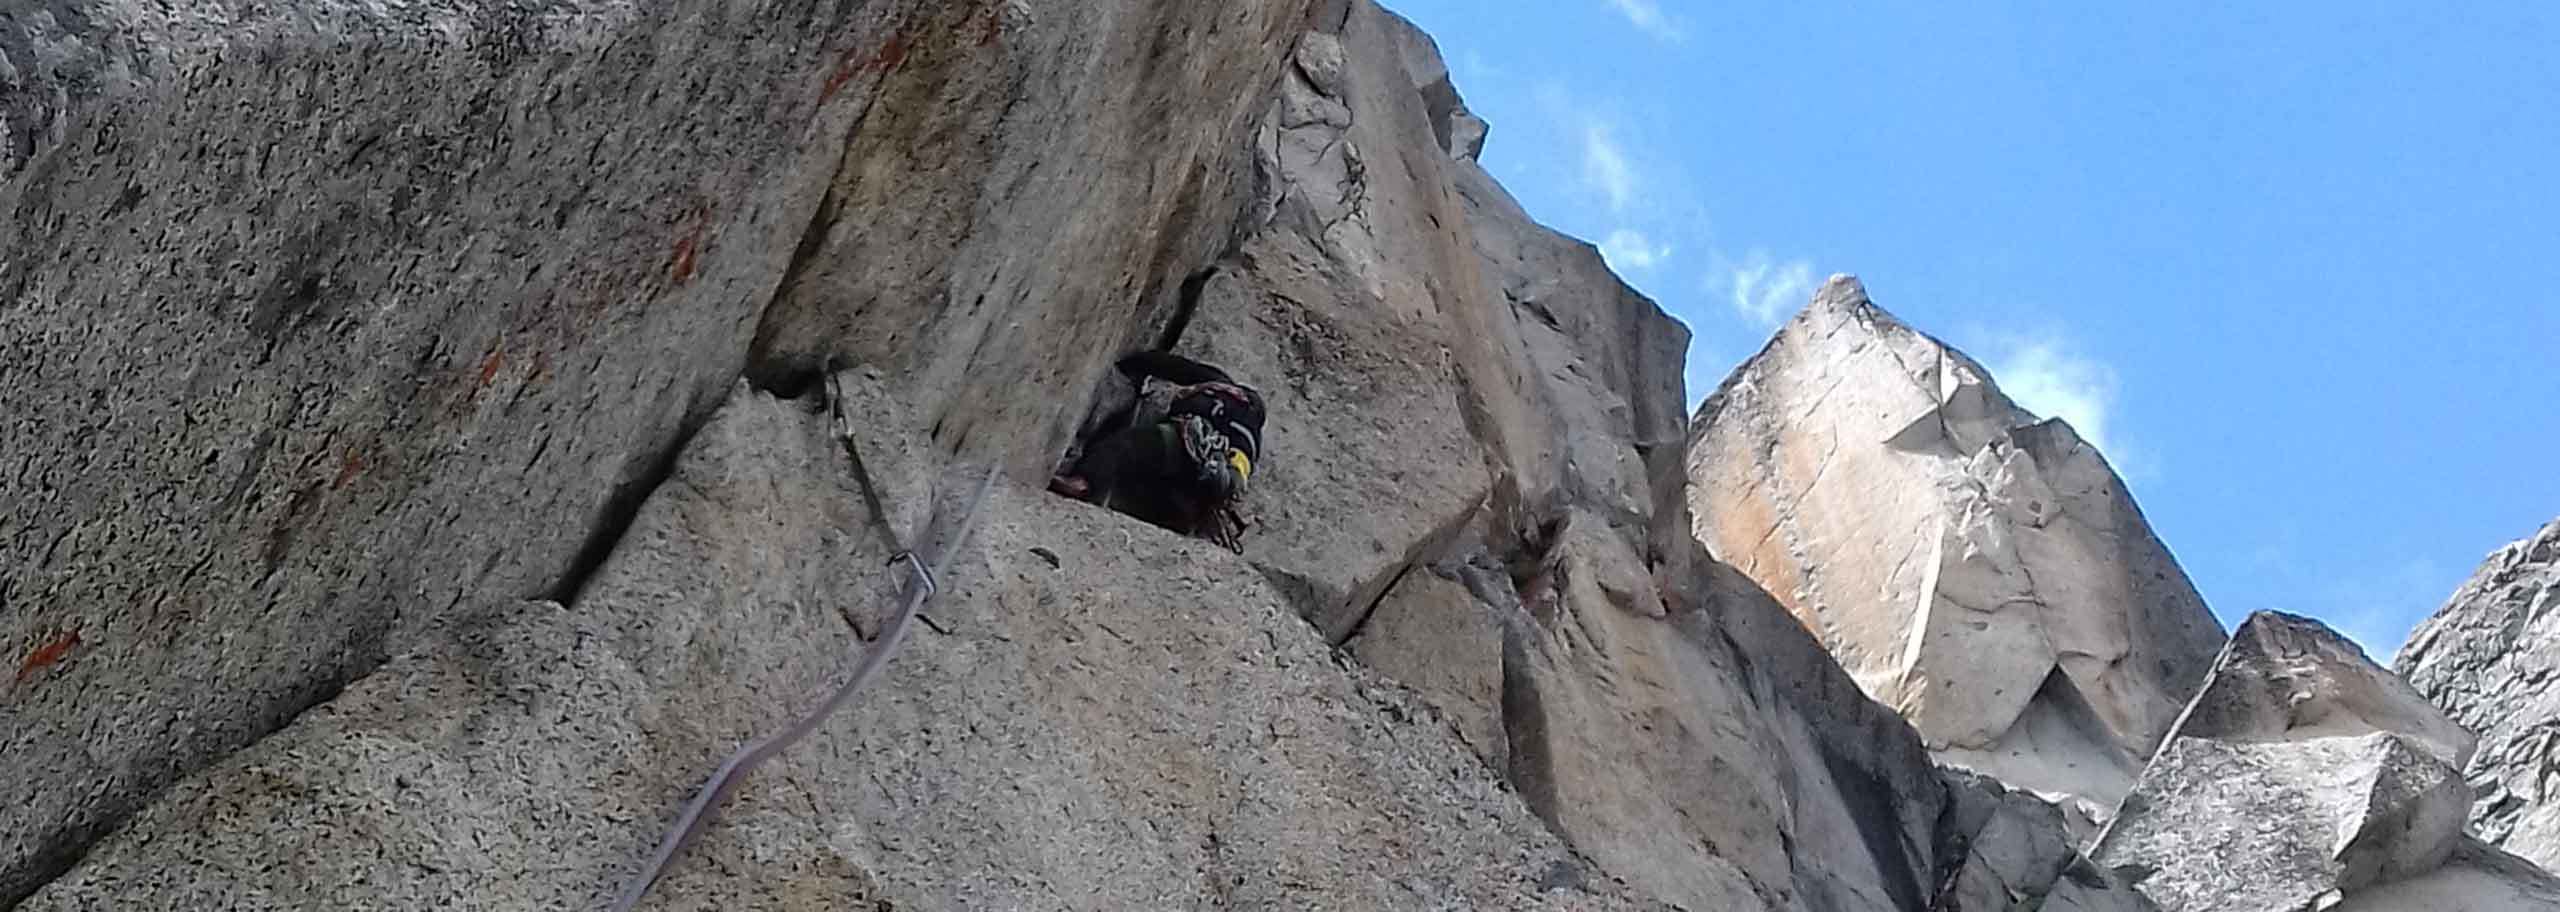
(921, 586)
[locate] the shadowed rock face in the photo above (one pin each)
(2489, 658)
(321, 321)
(2302, 774)
(1981, 571)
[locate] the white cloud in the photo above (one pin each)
(1605, 166)
(2375, 604)
(1763, 289)
(2379, 631)
(2048, 378)
(1648, 15)
(1627, 250)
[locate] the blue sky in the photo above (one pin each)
(2291, 263)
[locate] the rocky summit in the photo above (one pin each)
(441, 433)
(1982, 571)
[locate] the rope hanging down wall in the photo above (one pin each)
(920, 586)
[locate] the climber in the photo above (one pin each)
(1184, 455)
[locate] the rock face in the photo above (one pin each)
(2304, 774)
(320, 322)
(1102, 726)
(486, 501)
(2488, 658)
(1655, 709)
(1981, 571)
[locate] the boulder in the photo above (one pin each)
(2490, 658)
(2015, 851)
(2476, 879)
(1097, 714)
(2289, 678)
(1983, 572)
(2278, 825)
(2303, 774)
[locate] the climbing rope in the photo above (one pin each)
(697, 815)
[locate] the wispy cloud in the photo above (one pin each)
(1762, 288)
(1605, 166)
(1627, 250)
(2377, 605)
(1648, 15)
(2049, 378)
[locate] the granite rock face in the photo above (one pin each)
(1657, 710)
(2488, 657)
(2304, 775)
(322, 321)
(1338, 305)
(1099, 715)
(416, 411)
(1983, 572)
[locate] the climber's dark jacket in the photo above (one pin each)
(1181, 466)
(1232, 408)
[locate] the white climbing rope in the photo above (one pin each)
(706, 803)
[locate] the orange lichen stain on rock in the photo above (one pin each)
(48, 655)
(687, 248)
(887, 57)
(892, 52)
(995, 26)
(348, 469)
(843, 73)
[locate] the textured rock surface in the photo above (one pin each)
(1659, 711)
(1115, 719)
(1337, 306)
(434, 571)
(2490, 658)
(2019, 853)
(1983, 572)
(2287, 678)
(321, 320)
(2303, 773)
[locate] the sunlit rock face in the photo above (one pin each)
(2490, 658)
(1980, 570)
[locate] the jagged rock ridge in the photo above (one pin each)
(2488, 657)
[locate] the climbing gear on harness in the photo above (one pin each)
(1218, 470)
(1182, 457)
(697, 814)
